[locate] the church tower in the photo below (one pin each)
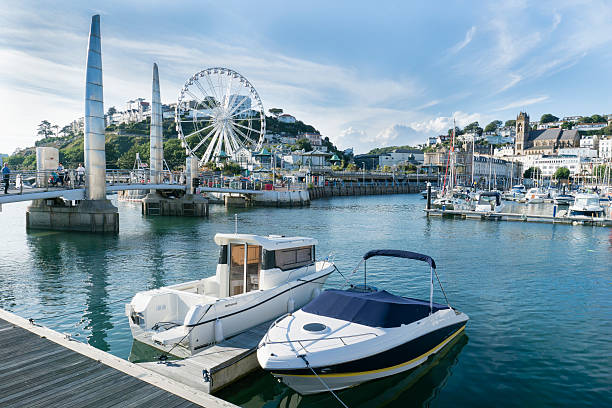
(522, 133)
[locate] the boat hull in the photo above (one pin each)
(387, 363)
(236, 314)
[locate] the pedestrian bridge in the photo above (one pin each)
(23, 186)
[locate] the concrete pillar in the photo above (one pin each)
(95, 157)
(156, 141)
(47, 160)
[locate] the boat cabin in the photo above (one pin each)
(252, 262)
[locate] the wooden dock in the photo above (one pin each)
(549, 219)
(43, 368)
(217, 366)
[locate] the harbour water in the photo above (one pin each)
(539, 296)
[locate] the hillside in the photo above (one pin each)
(125, 140)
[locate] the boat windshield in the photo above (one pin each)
(587, 202)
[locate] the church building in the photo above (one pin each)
(546, 141)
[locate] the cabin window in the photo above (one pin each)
(294, 257)
(223, 255)
(244, 268)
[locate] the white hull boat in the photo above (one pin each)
(346, 337)
(257, 279)
(586, 205)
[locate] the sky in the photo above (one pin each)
(365, 74)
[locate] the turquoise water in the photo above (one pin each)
(539, 296)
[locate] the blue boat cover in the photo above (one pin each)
(374, 309)
(396, 253)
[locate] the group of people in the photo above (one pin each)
(61, 176)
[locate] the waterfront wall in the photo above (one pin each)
(358, 190)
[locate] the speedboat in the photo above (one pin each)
(346, 337)
(258, 279)
(489, 201)
(586, 204)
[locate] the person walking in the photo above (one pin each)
(6, 175)
(80, 173)
(60, 173)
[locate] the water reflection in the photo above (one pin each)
(75, 265)
(414, 388)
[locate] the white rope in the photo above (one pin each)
(323, 382)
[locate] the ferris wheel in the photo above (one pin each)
(219, 113)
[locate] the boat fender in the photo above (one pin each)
(316, 292)
(218, 331)
(290, 305)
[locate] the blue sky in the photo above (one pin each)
(365, 74)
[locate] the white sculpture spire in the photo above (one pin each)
(156, 140)
(95, 156)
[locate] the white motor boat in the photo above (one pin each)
(345, 337)
(534, 196)
(586, 204)
(258, 278)
(489, 201)
(516, 193)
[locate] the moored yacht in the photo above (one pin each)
(258, 278)
(586, 204)
(345, 337)
(489, 201)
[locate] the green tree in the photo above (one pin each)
(111, 111)
(547, 118)
(230, 168)
(510, 123)
(174, 154)
(275, 111)
(473, 127)
(532, 172)
(598, 119)
(567, 125)
(44, 129)
(303, 144)
(492, 127)
(585, 119)
(562, 173)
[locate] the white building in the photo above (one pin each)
(432, 140)
(549, 164)
(590, 126)
(500, 170)
(550, 125)
(578, 151)
(313, 138)
(504, 151)
(507, 131)
(572, 119)
(400, 156)
(589, 141)
(290, 140)
(286, 118)
(605, 148)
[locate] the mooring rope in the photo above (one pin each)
(322, 382)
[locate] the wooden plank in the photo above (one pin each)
(47, 369)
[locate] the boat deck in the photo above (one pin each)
(217, 366)
(43, 368)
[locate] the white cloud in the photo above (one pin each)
(522, 103)
(556, 20)
(514, 79)
(441, 124)
(462, 44)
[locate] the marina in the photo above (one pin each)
(81, 287)
(232, 280)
